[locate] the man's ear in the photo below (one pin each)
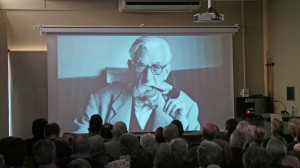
(131, 66)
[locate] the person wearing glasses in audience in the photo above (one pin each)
(147, 101)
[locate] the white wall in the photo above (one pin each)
(284, 40)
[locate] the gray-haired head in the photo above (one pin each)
(208, 153)
(79, 163)
(170, 132)
(80, 143)
(119, 129)
(147, 45)
(257, 135)
(244, 127)
(96, 146)
(226, 151)
(128, 144)
(255, 157)
(276, 149)
(148, 142)
(277, 127)
(180, 149)
(237, 140)
(44, 152)
(163, 158)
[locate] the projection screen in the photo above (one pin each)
(90, 71)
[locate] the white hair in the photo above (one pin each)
(148, 142)
(147, 44)
(119, 129)
(179, 148)
(96, 145)
(170, 132)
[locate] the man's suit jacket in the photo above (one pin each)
(114, 103)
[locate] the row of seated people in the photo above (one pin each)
(111, 146)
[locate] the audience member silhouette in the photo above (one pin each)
(213, 166)
(237, 142)
(257, 136)
(63, 153)
(208, 153)
(256, 157)
(163, 158)
(95, 124)
(170, 132)
(277, 130)
(179, 149)
(148, 142)
(179, 126)
(243, 127)
(97, 151)
(293, 126)
(79, 163)
(112, 147)
(80, 146)
(13, 150)
(159, 135)
(230, 126)
(296, 148)
(226, 155)
(52, 131)
(129, 144)
(193, 158)
(106, 132)
(44, 153)
(126, 150)
(38, 132)
(2, 163)
(142, 159)
(277, 151)
(209, 132)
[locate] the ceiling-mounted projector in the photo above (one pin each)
(210, 16)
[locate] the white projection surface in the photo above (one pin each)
(82, 64)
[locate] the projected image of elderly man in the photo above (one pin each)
(147, 101)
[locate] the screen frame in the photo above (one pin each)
(134, 30)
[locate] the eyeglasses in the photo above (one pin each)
(155, 69)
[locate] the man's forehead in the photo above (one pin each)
(155, 57)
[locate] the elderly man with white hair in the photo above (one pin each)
(146, 101)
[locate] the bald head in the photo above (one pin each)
(209, 131)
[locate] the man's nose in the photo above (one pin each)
(149, 78)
